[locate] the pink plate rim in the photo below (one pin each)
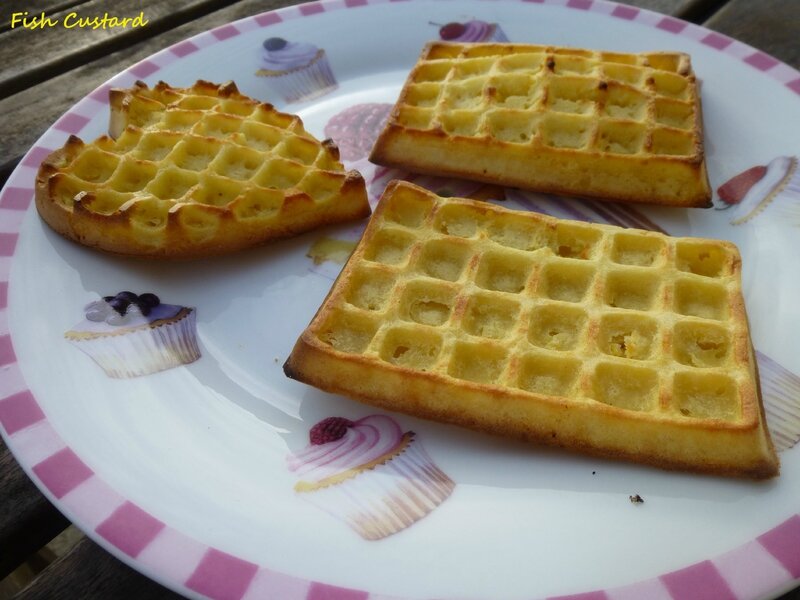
(762, 567)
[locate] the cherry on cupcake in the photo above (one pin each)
(329, 430)
(452, 30)
(147, 302)
(734, 190)
(274, 43)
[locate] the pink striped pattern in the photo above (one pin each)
(62, 472)
(182, 49)
(268, 19)
(761, 61)
(19, 411)
(144, 68)
(716, 40)
(221, 576)
(16, 198)
(580, 4)
(672, 25)
(34, 158)
(130, 529)
(781, 542)
(320, 591)
(599, 595)
(698, 582)
(625, 12)
(149, 542)
(225, 32)
(310, 8)
(71, 123)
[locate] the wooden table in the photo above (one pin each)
(46, 71)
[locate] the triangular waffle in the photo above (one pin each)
(191, 172)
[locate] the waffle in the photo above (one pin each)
(615, 342)
(194, 172)
(596, 124)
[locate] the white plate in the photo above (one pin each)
(183, 473)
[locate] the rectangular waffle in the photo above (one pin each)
(605, 125)
(610, 341)
(197, 171)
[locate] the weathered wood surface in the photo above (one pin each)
(89, 572)
(772, 26)
(30, 56)
(27, 520)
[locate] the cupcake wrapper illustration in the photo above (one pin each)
(130, 335)
(780, 389)
(773, 189)
(302, 83)
(144, 351)
(389, 497)
(497, 35)
(369, 474)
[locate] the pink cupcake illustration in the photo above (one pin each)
(296, 71)
(356, 128)
(370, 474)
(774, 187)
(130, 335)
(472, 31)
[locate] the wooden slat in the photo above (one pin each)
(53, 50)
(769, 25)
(90, 573)
(27, 520)
(29, 113)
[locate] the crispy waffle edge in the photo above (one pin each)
(399, 147)
(112, 233)
(430, 395)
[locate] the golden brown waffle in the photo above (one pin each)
(598, 124)
(194, 172)
(615, 342)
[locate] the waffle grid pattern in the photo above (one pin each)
(205, 153)
(641, 104)
(598, 124)
(635, 320)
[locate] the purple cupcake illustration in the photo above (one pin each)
(130, 335)
(774, 187)
(472, 31)
(296, 70)
(370, 474)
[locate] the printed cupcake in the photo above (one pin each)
(775, 186)
(472, 31)
(296, 70)
(781, 390)
(355, 129)
(369, 474)
(130, 335)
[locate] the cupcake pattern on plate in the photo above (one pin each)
(774, 187)
(130, 335)
(356, 128)
(473, 30)
(370, 474)
(295, 71)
